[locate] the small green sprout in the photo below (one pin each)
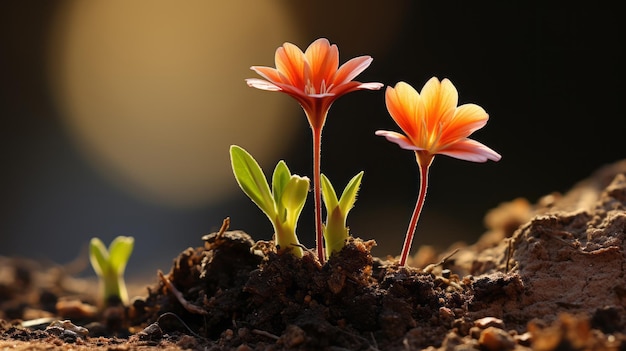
(110, 264)
(282, 205)
(336, 231)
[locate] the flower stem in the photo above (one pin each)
(114, 286)
(423, 161)
(317, 186)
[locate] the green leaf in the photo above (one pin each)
(110, 265)
(348, 197)
(329, 194)
(282, 205)
(294, 197)
(280, 178)
(98, 256)
(251, 179)
(335, 231)
(119, 253)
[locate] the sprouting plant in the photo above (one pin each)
(110, 264)
(315, 80)
(433, 124)
(336, 231)
(282, 205)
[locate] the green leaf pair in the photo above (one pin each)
(335, 230)
(110, 264)
(282, 204)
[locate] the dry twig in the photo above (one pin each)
(191, 308)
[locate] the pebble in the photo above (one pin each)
(489, 322)
(152, 332)
(243, 347)
(523, 339)
(243, 332)
(293, 336)
(495, 339)
(228, 334)
(68, 326)
(75, 309)
(446, 313)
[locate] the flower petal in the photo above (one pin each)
(323, 59)
(262, 84)
(268, 73)
(399, 139)
(403, 105)
(471, 150)
(290, 62)
(467, 119)
(440, 99)
(370, 86)
(349, 70)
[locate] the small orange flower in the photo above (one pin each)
(434, 124)
(315, 80)
(313, 77)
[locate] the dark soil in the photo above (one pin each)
(548, 276)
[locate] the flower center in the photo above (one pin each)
(309, 88)
(431, 138)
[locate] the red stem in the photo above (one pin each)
(423, 162)
(317, 185)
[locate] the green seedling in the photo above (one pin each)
(282, 204)
(110, 264)
(335, 230)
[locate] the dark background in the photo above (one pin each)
(550, 77)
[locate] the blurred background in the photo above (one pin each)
(117, 115)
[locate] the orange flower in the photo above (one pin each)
(315, 80)
(313, 77)
(433, 125)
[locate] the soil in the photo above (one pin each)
(545, 276)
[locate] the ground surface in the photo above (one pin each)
(548, 276)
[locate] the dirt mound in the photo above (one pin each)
(548, 276)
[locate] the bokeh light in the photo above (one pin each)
(153, 92)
